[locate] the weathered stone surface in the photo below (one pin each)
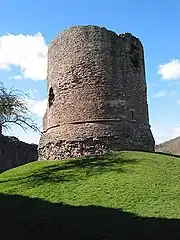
(97, 95)
(14, 153)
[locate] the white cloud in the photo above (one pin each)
(176, 132)
(28, 52)
(33, 93)
(159, 94)
(5, 67)
(172, 93)
(160, 136)
(37, 107)
(170, 70)
(29, 137)
(17, 77)
(165, 132)
(160, 139)
(164, 94)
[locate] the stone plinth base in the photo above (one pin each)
(55, 149)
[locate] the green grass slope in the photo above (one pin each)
(126, 195)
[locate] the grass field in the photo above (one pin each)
(126, 195)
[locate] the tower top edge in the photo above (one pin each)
(125, 35)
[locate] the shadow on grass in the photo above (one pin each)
(27, 218)
(95, 164)
(168, 154)
(76, 169)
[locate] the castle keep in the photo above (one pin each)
(97, 96)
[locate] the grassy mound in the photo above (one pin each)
(117, 196)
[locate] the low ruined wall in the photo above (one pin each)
(14, 153)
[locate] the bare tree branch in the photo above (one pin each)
(14, 110)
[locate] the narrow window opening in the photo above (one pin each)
(134, 56)
(132, 114)
(135, 62)
(51, 97)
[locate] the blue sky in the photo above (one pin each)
(26, 27)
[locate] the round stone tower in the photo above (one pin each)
(96, 95)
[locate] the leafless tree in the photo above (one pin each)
(14, 110)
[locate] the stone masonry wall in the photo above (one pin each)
(97, 92)
(14, 153)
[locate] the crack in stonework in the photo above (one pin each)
(91, 121)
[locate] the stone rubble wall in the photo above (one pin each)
(15, 153)
(139, 139)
